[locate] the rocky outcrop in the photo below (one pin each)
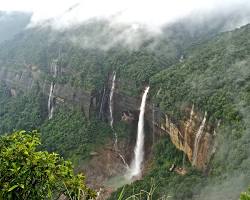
(25, 79)
(182, 133)
(183, 136)
(73, 96)
(126, 108)
(18, 80)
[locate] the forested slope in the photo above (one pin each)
(214, 77)
(204, 68)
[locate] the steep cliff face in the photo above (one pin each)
(24, 79)
(182, 133)
(19, 79)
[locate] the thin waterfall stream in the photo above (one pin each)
(52, 86)
(198, 138)
(111, 106)
(111, 96)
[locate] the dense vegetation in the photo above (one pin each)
(215, 78)
(182, 69)
(68, 132)
(72, 135)
(245, 196)
(25, 111)
(27, 173)
(166, 183)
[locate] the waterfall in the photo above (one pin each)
(112, 119)
(124, 161)
(197, 139)
(111, 105)
(139, 153)
(50, 106)
(111, 99)
(52, 86)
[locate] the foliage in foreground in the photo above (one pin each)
(26, 173)
(245, 195)
(143, 194)
(22, 112)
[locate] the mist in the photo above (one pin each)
(153, 13)
(130, 23)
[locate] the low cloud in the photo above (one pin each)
(151, 13)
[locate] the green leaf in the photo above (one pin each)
(12, 188)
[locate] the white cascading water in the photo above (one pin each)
(111, 96)
(50, 100)
(124, 161)
(52, 85)
(111, 105)
(198, 138)
(135, 169)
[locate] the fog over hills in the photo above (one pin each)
(147, 99)
(12, 23)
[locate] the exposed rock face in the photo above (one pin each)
(182, 133)
(183, 137)
(126, 108)
(66, 93)
(24, 80)
(105, 164)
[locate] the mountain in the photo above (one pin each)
(196, 115)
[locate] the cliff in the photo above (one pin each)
(182, 133)
(24, 79)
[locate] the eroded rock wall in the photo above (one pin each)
(182, 133)
(183, 136)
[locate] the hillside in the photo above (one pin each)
(214, 78)
(60, 81)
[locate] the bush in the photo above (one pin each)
(26, 173)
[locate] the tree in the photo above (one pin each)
(26, 173)
(245, 195)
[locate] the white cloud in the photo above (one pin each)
(153, 12)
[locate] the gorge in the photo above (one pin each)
(185, 137)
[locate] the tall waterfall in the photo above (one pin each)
(52, 86)
(139, 153)
(111, 104)
(111, 107)
(50, 103)
(111, 101)
(198, 138)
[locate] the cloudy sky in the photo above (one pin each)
(153, 12)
